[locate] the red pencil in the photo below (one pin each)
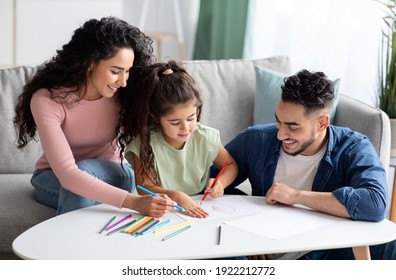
(214, 181)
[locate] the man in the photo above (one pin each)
(302, 159)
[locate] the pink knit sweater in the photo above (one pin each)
(70, 132)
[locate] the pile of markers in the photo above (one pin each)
(143, 225)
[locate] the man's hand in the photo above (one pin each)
(281, 193)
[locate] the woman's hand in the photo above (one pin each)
(149, 205)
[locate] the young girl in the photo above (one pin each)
(173, 152)
(74, 103)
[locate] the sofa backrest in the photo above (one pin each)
(228, 88)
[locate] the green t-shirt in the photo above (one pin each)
(186, 170)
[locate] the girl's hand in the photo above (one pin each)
(191, 207)
(217, 190)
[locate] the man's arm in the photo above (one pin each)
(322, 201)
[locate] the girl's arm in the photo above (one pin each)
(179, 197)
(228, 175)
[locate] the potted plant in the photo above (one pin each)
(387, 97)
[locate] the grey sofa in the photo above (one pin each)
(228, 89)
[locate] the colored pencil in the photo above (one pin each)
(154, 194)
(148, 226)
(219, 236)
(106, 225)
(120, 227)
(120, 221)
(144, 224)
(173, 226)
(215, 181)
(156, 226)
(176, 232)
(140, 222)
(135, 222)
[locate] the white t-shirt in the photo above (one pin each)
(297, 172)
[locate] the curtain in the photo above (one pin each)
(338, 37)
(221, 29)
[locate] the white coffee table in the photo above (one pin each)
(74, 235)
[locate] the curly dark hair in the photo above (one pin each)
(158, 89)
(94, 41)
(313, 90)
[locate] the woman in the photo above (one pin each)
(73, 102)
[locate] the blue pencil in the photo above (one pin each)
(143, 230)
(156, 226)
(154, 194)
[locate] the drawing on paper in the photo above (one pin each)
(225, 206)
(224, 209)
(215, 208)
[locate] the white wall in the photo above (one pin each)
(6, 33)
(161, 17)
(339, 37)
(32, 30)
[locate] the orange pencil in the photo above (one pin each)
(214, 181)
(144, 223)
(132, 224)
(138, 224)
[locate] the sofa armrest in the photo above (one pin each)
(370, 121)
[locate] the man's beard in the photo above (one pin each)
(304, 146)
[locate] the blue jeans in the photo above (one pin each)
(48, 190)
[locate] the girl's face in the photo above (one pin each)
(178, 125)
(105, 77)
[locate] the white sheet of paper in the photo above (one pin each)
(282, 223)
(230, 206)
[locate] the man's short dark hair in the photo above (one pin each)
(313, 90)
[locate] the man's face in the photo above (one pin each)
(300, 134)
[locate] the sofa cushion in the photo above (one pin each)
(229, 85)
(14, 160)
(268, 92)
(19, 210)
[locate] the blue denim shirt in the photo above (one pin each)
(351, 168)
